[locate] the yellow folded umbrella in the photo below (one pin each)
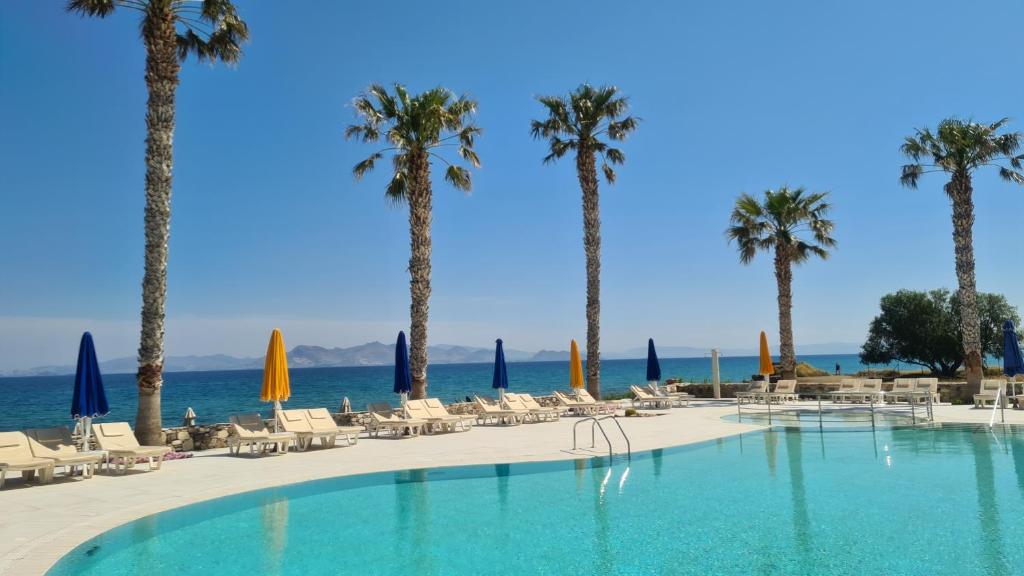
(575, 367)
(766, 368)
(276, 386)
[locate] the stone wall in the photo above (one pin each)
(200, 437)
(948, 391)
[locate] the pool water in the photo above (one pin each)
(937, 500)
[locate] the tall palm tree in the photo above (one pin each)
(776, 225)
(959, 148)
(578, 122)
(171, 30)
(416, 128)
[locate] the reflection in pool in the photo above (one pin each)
(936, 500)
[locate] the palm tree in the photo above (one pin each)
(578, 121)
(959, 148)
(171, 31)
(776, 225)
(416, 128)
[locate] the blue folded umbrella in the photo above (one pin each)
(403, 379)
(1013, 362)
(653, 366)
(500, 380)
(89, 399)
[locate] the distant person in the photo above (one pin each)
(837, 368)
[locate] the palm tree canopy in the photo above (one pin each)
(780, 221)
(415, 124)
(579, 120)
(209, 29)
(962, 146)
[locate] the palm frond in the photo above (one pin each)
(415, 126)
(609, 173)
(101, 8)
(777, 221)
(365, 166)
(459, 178)
(910, 175)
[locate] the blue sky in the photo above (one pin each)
(270, 229)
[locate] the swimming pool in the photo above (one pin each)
(938, 500)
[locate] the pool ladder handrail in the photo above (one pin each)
(998, 405)
(596, 422)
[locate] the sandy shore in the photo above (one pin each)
(42, 523)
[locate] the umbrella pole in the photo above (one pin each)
(86, 431)
(277, 408)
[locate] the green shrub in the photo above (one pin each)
(803, 370)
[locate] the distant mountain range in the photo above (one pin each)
(380, 354)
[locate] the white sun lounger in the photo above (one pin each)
(320, 420)
(56, 444)
(644, 399)
(123, 449)
(988, 391)
(249, 430)
(16, 456)
(489, 412)
(383, 419)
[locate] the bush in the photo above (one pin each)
(803, 370)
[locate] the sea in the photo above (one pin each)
(42, 401)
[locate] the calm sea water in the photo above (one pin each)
(941, 501)
(45, 400)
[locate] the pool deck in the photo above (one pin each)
(42, 523)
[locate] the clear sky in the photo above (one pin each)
(270, 229)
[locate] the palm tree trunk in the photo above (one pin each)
(420, 216)
(960, 193)
(586, 170)
(161, 80)
(784, 280)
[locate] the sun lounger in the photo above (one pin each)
(418, 409)
(549, 413)
(601, 407)
(571, 403)
(901, 390)
(57, 445)
(123, 449)
(678, 398)
(489, 412)
(644, 399)
(848, 389)
(384, 419)
(534, 411)
(785, 391)
(869, 390)
(16, 456)
(296, 422)
(758, 391)
(249, 430)
(931, 386)
(987, 393)
(320, 420)
(462, 423)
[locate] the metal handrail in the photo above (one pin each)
(868, 409)
(629, 447)
(596, 422)
(998, 405)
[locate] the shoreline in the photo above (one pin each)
(46, 522)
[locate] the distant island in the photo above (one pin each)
(380, 354)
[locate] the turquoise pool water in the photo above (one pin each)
(943, 500)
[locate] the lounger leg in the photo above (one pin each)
(3, 478)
